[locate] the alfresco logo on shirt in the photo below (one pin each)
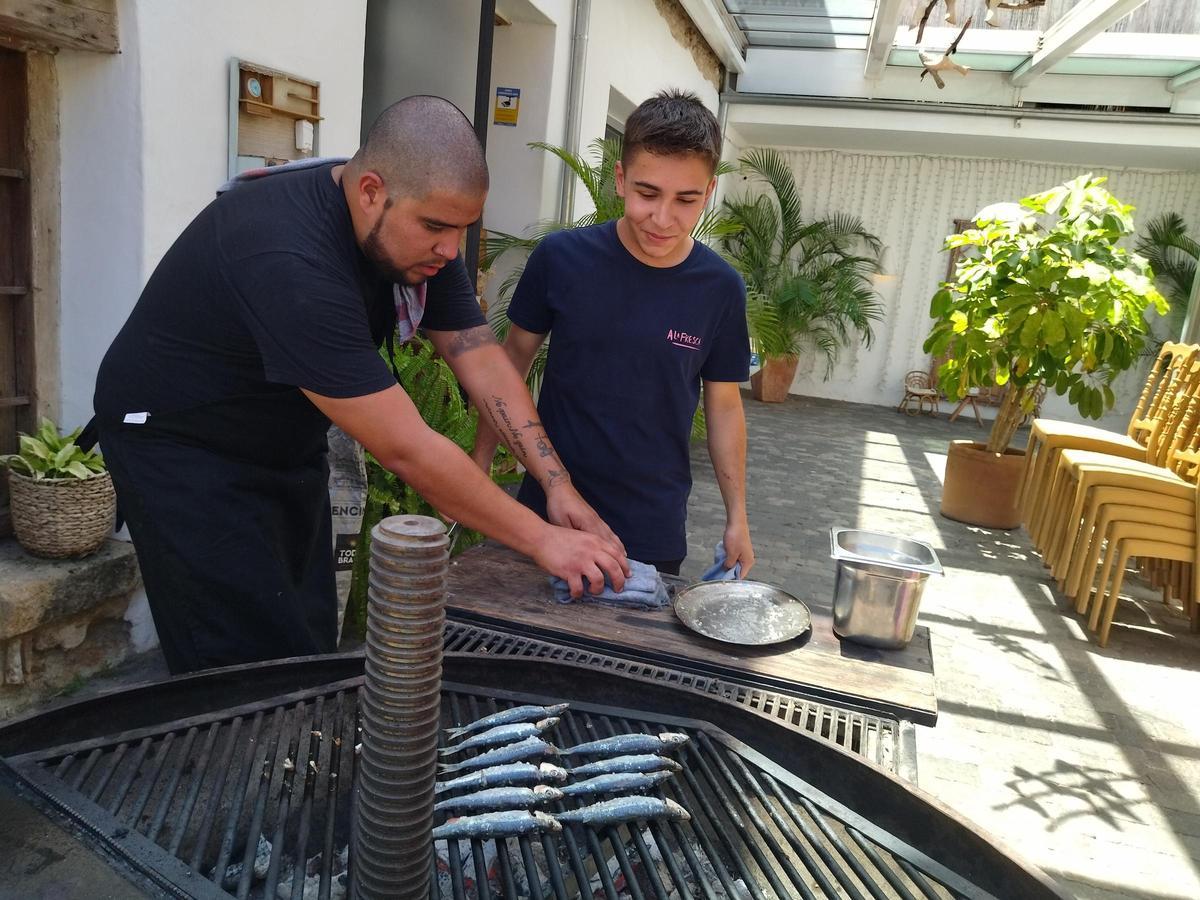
(683, 339)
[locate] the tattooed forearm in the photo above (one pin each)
(479, 336)
(503, 425)
(540, 440)
(514, 436)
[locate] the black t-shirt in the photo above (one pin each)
(629, 347)
(265, 292)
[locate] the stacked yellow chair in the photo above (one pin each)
(1049, 437)
(1128, 509)
(1077, 471)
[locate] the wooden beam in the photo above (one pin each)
(1083, 22)
(1190, 78)
(57, 24)
(883, 35)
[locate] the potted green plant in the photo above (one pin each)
(808, 284)
(1173, 255)
(1043, 296)
(63, 503)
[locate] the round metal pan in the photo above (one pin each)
(748, 613)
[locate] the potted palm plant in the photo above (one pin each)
(63, 503)
(1173, 255)
(1043, 297)
(808, 284)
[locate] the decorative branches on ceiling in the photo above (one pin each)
(989, 17)
(933, 64)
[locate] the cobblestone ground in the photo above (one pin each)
(1085, 761)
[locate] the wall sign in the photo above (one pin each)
(508, 104)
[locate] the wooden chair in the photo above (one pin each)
(1105, 501)
(1166, 383)
(919, 389)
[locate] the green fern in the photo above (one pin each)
(435, 392)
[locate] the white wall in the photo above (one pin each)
(524, 181)
(145, 139)
(185, 50)
(420, 47)
(101, 254)
(631, 55)
(632, 52)
(911, 202)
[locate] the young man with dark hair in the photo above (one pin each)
(259, 327)
(641, 314)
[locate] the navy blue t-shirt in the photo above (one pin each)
(629, 347)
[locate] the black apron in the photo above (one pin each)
(232, 528)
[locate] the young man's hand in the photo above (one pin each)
(566, 508)
(738, 548)
(574, 555)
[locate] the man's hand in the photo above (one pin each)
(738, 548)
(565, 507)
(575, 555)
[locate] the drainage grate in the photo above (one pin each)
(887, 742)
(255, 801)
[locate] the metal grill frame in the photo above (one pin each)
(785, 756)
(883, 740)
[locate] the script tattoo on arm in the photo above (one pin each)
(514, 435)
(479, 336)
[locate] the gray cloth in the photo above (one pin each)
(644, 589)
(717, 571)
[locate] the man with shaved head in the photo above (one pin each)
(260, 326)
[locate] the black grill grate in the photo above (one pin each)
(274, 781)
(884, 741)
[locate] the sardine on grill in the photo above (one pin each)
(504, 717)
(497, 824)
(623, 809)
(629, 743)
(503, 734)
(530, 748)
(641, 762)
(502, 798)
(517, 773)
(616, 783)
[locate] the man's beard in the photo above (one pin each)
(373, 250)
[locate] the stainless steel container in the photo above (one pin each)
(880, 579)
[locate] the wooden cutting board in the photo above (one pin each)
(493, 585)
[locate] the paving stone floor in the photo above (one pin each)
(1085, 761)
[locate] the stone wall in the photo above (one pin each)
(689, 37)
(62, 621)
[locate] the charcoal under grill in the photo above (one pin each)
(259, 762)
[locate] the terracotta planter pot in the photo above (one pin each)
(981, 487)
(771, 383)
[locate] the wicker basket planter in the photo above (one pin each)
(62, 517)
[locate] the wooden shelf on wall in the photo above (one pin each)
(295, 114)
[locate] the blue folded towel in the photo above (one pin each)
(644, 589)
(717, 571)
